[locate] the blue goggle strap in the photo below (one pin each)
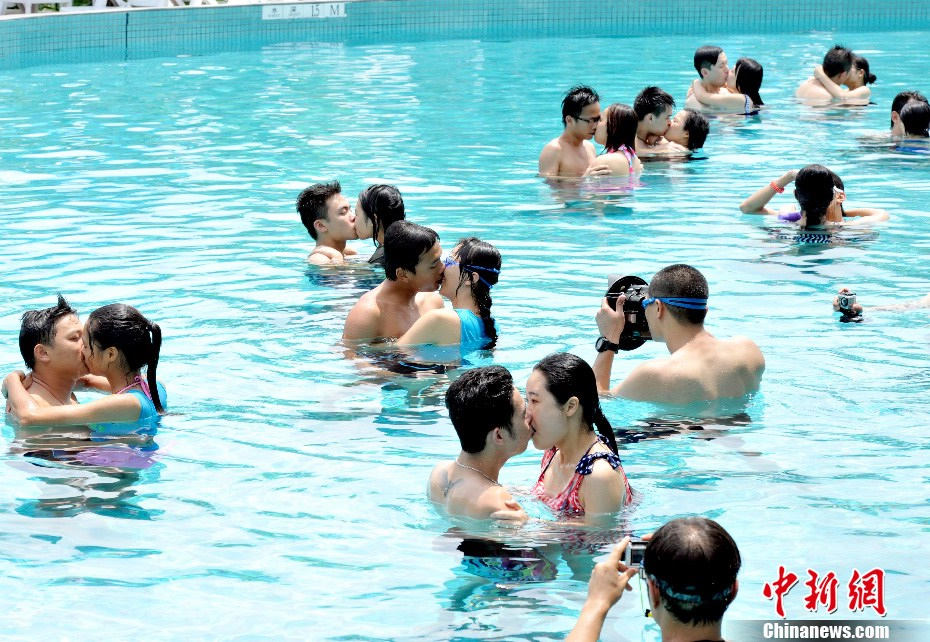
(676, 302)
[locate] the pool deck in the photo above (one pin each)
(119, 33)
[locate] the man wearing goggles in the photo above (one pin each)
(700, 366)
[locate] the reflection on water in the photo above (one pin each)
(79, 472)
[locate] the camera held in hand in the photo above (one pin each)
(636, 330)
(633, 555)
(847, 301)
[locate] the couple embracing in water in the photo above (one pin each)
(581, 473)
(108, 353)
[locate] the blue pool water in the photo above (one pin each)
(285, 497)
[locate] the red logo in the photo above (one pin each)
(866, 590)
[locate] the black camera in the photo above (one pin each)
(846, 302)
(636, 330)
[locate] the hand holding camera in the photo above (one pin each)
(611, 577)
(610, 322)
(845, 303)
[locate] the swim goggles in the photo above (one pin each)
(676, 302)
(690, 593)
(446, 262)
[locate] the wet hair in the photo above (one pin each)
(706, 57)
(681, 281)
(38, 326)
(137, 339)
(905, 97)
(384, 205)
(404, 244)
(749, 79)
(478, 402)
(621, 127)
(838, 60)
(577, 98)
(311, 203)
(652, 100)
(569, 376)
(698, 127)
(915, 116)
(693, 562)
(863, 65)
(473, 255)
(814, 190)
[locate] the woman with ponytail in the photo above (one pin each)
(581, 471)
(378, 206)
(820, 194)
(118, 343)
(471, 270)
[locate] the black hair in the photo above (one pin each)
(38, 326)
(814, 191)
(384, 205)
(138, 340)
(474, 254)
(749, 79)
(693, 562)
(905, 97)
(569, 376)
(478, 402)
(838, 60)
(577, 98)
(698, 127)
(915, 116)
(621, 127)
(311, 203)
(652, 100)
(706, 57)
(838, 184)
(862, 64)
(404, 244)
(680, 281)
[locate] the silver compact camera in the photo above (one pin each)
(847, 300)
(633, 555)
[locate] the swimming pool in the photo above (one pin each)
(286, 497)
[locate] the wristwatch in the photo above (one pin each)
(603, 345)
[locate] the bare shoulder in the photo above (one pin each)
(427, 301)
(318, 258)
(747, 348)
(492, 499)
(603, 473)
(364, 318)
(322, 255)
(646, 380)
(553, 145)
(441, 315)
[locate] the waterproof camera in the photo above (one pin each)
(846, 302)
(636, 330)
(633, 555)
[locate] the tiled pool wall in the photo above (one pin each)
(116, 34)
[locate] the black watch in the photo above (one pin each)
(603, 345)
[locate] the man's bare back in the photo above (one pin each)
(704, 369)
(812, 89)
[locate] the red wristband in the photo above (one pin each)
(775, 186)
